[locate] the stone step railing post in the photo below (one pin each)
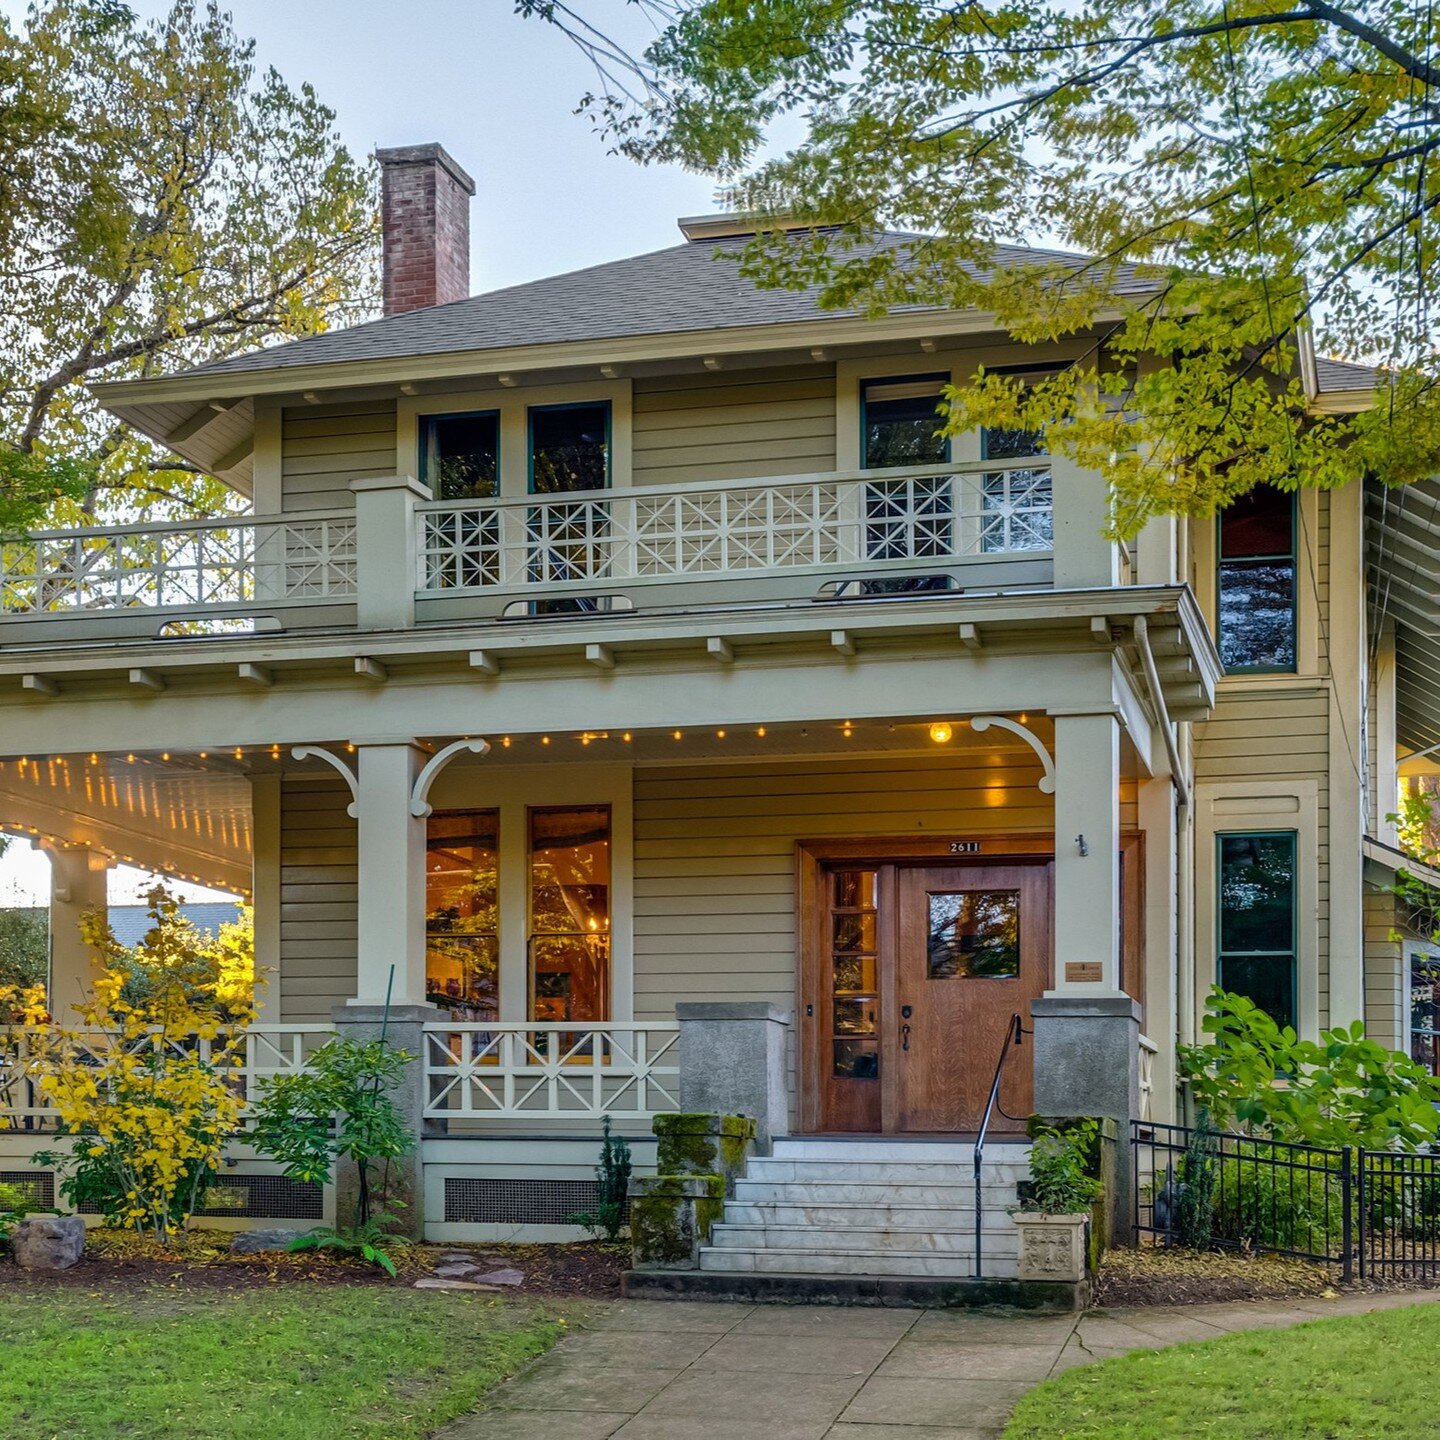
(732, 1062)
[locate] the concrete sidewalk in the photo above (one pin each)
(687, 1370)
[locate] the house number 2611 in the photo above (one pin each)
(964, 847)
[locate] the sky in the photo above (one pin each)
(499, 94)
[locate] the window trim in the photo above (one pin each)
(425, 419)
(1270, 833)
(530, 412)
(1293, 557)
(941, 378)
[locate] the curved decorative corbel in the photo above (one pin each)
(319, 752)
(419, 796)
(1003, 722)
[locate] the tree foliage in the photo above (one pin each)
(1235, 170)
(1339, 1091)
(161, 203)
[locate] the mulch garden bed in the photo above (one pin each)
(1155, 1276)
(201, 1260)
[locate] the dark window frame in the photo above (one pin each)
(1293, 953)
(424, 424)
(1246, 562)
(530, 413)
(1417, 953)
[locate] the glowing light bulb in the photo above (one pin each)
(940, 732)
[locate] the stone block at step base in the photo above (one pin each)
(48, 1242)
(259, 1242)
(671, 1217)
(703, 1145)
(1052, 1247)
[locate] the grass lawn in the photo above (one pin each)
(289, 1363)
(1369, 1377)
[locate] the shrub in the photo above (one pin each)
(338, 1108)
(147, 1087)
(1262, 1206)
(612, 1186)
(1060, 1182)
(1343, 1091)
(1194, 1196)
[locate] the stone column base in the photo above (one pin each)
(732, 1062)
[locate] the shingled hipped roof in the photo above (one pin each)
(691, 287)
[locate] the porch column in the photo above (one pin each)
(1084, 555)
(77, 887)
(1158, 821)
(391, 918)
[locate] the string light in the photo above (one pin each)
(506, 742)
(761, 732)
(719, 734)
(678, 735)
(544, 739)
(940, 732)
(626, 737)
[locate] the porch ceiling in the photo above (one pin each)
(1403, 542)
(179, 814)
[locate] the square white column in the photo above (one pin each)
(391, 911)
(1087, 855)
(78, 878)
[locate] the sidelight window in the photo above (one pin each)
(569, 940)
(854, 960)
(462, 913)
(1257, 952)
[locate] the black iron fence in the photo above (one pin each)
(1370, 1213)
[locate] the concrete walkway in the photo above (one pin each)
(688, 1370)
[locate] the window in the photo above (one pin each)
(569, 937)
(569, 448)
(1256, 581)
(854, 956)
(900, 423)
(460, 455)
(1257, 920)
(1425, 1008)
(973, 934)
(462, 902)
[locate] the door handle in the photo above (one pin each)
(904, 1037)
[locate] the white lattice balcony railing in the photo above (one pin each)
(219, 566)
(555, 1070)
(268, 1050)
(868, 521)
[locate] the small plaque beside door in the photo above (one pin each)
(1083, 972)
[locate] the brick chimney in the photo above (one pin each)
(425, 213)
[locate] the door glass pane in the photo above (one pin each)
(462, 893)
(461, 455)
(854, 994)
(570, 914)
(569, 448)
(973, 934)
(901, 421)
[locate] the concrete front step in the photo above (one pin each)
(901, 1218)
(951, 1265)
(880, 1172)
(993, 1195)
(885, 1147)
(727, 1236)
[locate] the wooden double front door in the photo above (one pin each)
(910, 975)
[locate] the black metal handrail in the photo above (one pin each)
(1014, 1035)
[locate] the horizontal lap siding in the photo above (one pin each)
(715, 855)
(318, 898)
(690, 428)
(325, 447)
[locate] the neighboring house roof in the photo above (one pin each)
(1344, 375)
(130, 922)
(689, 287)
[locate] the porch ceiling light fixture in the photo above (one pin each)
(941, 733)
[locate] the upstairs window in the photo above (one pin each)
(900, 422)
(1256, 581)
(569, 448)
(460, 455)
(1256, 922)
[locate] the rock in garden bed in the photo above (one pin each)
(1155, 1276)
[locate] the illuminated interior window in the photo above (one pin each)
(462, 913)
(569, 939)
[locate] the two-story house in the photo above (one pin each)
(627, 643)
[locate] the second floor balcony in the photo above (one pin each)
(399, 559)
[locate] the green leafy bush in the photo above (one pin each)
(1264, 1206)
(374, 1241)
(1060, 1160)
(612, 1186)
(1195, 1194)
(16, 1202)
(1343, 1091)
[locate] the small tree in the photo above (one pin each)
(612, 1187)
(1343, 1090)
(147, 1086)
(338, 1108)
(1194, 1198)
